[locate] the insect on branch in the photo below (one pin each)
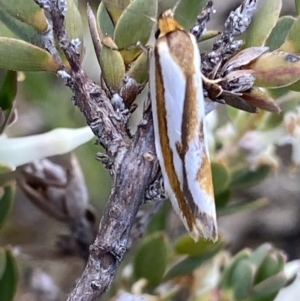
(132, 161)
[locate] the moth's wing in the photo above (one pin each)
(182, 172)
(197, 163)
(173, 94)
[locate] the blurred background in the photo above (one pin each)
(44, 103)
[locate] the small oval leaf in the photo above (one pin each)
(20, 29)
(235, 101)
(279, 32)
(187, 265)
(292, 43)
(8, 282)
(26, 11)
(135, 25)
(187, 11)
(226, 280)
(276, 69)
(22, 56)
(297, 3)
(245, 178)
(271, 265)
(242, 207)
(6, 201)
(187, 246)
(151, 259)
(139, 68)
(261, 100)
(115, 8)
(243, 58)
(263, 22)
(112, 65)
(222, 199)
(106, 26)
(73, 23)
(2, 262)
(220, 177)
(242, 279)
(268, 287)
(8, 90)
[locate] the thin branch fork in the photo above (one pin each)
(134, 163)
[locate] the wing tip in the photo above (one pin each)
(206, 228)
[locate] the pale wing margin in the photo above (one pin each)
(174, 81)
(196, 158)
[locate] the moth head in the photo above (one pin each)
(166, 23)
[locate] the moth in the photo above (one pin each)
(178, 116)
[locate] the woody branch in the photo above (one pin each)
(133, 160)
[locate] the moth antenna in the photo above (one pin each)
(175, 7)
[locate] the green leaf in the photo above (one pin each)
(292, 43)
(276, 69)
(166, 4)
(245, 178)
(278, 92)
(8, 90)
(112, 65)
(279, 32)
(271, 265)
(226, 280)
(20, 29)
(151, 259)
(259, 255)
(187, 11)
(8, 282)
(135, 25)
(115, 8)
(159, 221)
(187, 246)
(73, 23)
(269, 286)
(106, 26)
(6, 200)
(27, 12)
(220, 177)
(139, 68)
(297, 3)
(242, 279)
(187, 266)
(8, 93)
(222, 200)
(263, 22)
(2, 262)
(22, 56)
(232, 209)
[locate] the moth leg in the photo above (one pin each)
(211, 81)
(212, 87)
(144, 48)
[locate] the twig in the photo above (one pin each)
(132, 169)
